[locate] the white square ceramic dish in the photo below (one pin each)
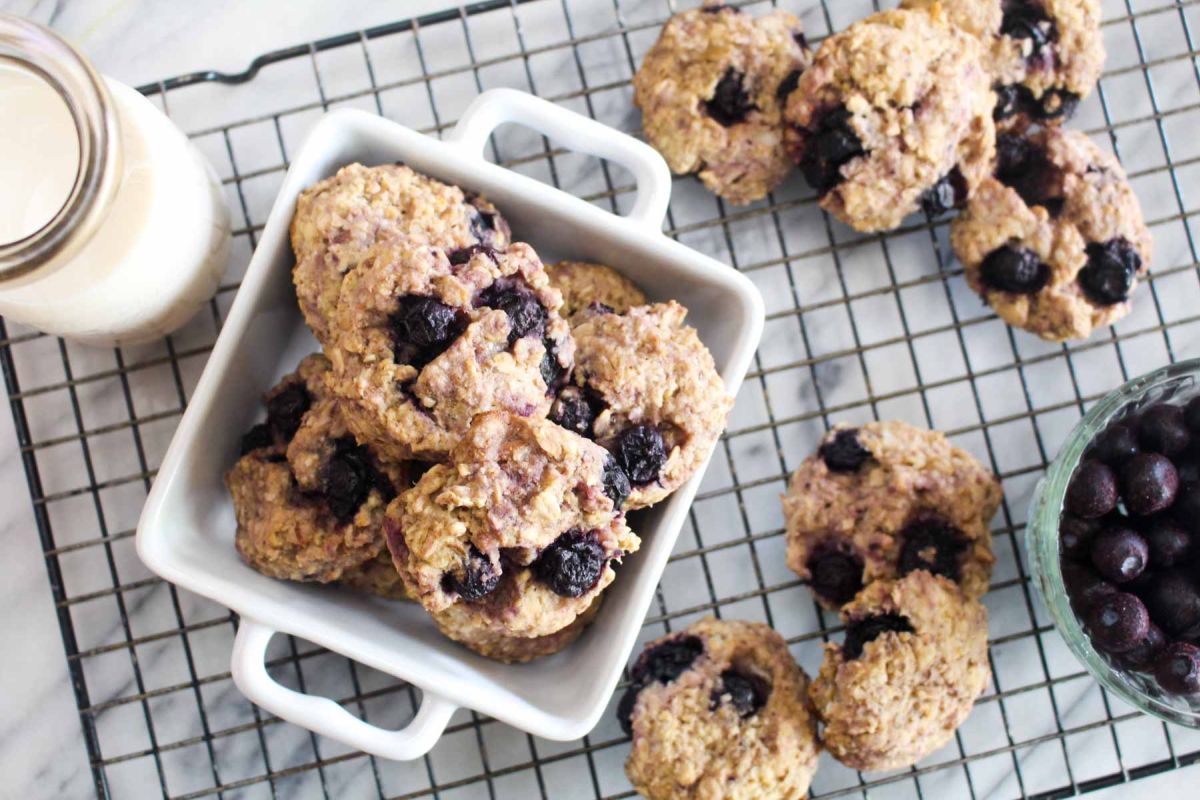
(186, 530)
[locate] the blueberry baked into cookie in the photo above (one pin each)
(711, 92)
(427, 338)
(338, 219)
(646, 388)
(514, 539)
(895, 114)
(719, 711)
(907, 675)
(328, 527)
(1043, 56)
(1054, 242)
(587, 287)
(884, 500)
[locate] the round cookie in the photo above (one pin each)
(378, 577)
(895, 114)
(479, 634)
(1044, 56)
(515, 537)
(710, 91)
(886, 499)
(426, 339)
(338, 219)
(646, 388)
(585, 286)
(322, 530)
(1055, 242)
(719, 711)
(914, 660)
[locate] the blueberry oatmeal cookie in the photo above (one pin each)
(426, 339)
(1055, 242)
(914, 660)
(340, 218)
(315, 532)
(711, 90)
(886, 499)
(719, 711)
(645, 387)
(1043, 56)
(585, 286)
(515, 538)
(378, 577)
(894, 114)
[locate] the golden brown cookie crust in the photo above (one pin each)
(912, 473)
(337, 220)
(907, 693)
(884, 70)
(649, 368)
(377, 576)
(583, 285)
(1097, 205)
(741, 161)
(689, 741)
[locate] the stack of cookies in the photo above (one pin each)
(939, 106)
(477, 424)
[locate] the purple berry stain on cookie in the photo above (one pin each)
(487, 227)
(730, 103)
(571, 564)
(836, 576)
(463, 255)
(1111, 269)
(576, 409)
(526, 316)
(861, 631)
(662, 663)
(256, 438)
(1014, 269)
(747, 693)
(788, 84)
(844, 452)
(348, 478)
(422, 329)
(479, 578)
(946, 195)
(616, 483)
(932, 544)
(1024, 167)
(641, 453)
(285, 411)
(828, 145)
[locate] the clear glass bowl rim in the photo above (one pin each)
(1041, 537)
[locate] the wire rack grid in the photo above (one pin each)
(859, 327)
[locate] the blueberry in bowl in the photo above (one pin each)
(1114, 538)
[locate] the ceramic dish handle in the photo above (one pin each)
(576, 132)
(323, 715)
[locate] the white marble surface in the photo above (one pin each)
(41, 747)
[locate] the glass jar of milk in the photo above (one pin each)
(113, 229)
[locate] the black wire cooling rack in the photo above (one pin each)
(858, 328)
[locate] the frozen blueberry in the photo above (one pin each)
(1140, 657)
(526, 316)
(730, 103)
(256, 438)
(1093, 490)
(285, 411)
(747, 693)
(1174, 602)
(667, 661)
(1116, 445)
(836, 576)
(844, 453)
(1177, 668)
(642, 453)
(347, 479)
(422, 329)
(616, 483)
(831, 143)
(1149, 484)
(931, 543)
(572, 563)
(1027, 21)
(788, 85)
(1119, 553)
(1162, 429)
(1191, 414)
(479, 577)
(1075, 535)
(946, 195)
(1117, 622)
(1186, 507)
(1170, 544)
(1084, 586)
(575, 409)
(861, 631)
(1014, 269)
(1111, 267)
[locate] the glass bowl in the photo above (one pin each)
(1178, 383)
